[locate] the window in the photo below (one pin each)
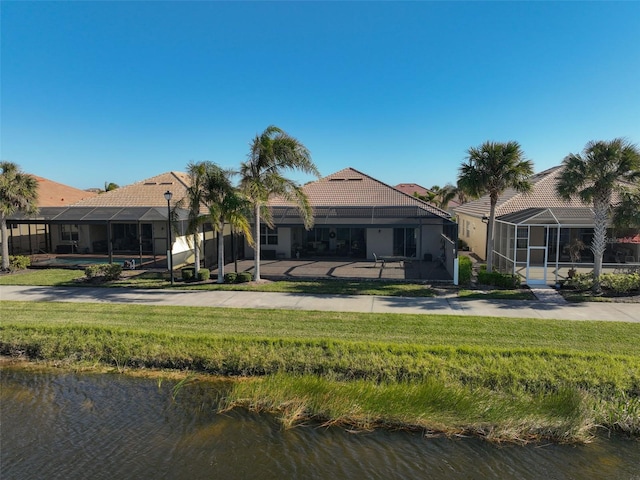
(468, 229)
(69, 233)
(268, 236)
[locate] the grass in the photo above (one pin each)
(64, 277)
(496, 295)
(506, 379)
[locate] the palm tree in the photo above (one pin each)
(491, 168)
(262, 175)
(18, 193)
(593, 177)
(627, 213)
(225, 204)
(445, 194)
(194, 201)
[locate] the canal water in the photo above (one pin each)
(107, 426)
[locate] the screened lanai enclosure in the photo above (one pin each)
(543, 244)
(135, 231)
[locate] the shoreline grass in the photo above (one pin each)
(504, 379)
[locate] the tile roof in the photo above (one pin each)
(542, 195)
(54, 194)
(351, 188)
(146, 193)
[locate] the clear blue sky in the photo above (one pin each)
(96, 92)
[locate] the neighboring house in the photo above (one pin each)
(31, 238)
(534, 232)
(356, 216)
(131, 220)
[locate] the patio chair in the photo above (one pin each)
(378, 260)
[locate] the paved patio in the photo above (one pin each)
(344, 268)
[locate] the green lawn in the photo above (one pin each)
(509, 379)
(64, 277)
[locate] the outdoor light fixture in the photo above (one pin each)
(167, 196)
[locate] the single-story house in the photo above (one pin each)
(357, 216)
(535, 232)
(32, 238)
(130, 220)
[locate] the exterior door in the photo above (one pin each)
(537, 266)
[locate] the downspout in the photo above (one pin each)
(557, 254)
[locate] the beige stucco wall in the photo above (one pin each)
(474, 232)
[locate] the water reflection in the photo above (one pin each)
(79, 426)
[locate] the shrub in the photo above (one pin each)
(188, 274)
(203, 274)
(580, 281)
(464, 270)
(230, 277)
(244, 277)
(108, 271)
(497, 279)
(620, 283)
(18, 262)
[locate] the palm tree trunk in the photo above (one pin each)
(5, 243)
(256, 275)
(196, 253)
(600, 210)
(492, 217)
(221, 252)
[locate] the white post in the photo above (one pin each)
(455, 271)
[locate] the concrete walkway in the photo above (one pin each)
(441, 305)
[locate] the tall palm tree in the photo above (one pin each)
(272, 153)
(593, 177)
(18, 193)
(492, 168)
(194, 201)
(225, 204)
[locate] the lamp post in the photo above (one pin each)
(167, 196)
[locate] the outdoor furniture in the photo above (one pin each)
(377, 260)
(395, 258)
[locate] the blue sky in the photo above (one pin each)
(96, 92)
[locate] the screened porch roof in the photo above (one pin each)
(283, 215)
(550, 216)
(68, 215)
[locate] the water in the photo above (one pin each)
(107, 426)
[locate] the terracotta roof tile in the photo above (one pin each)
(54, 194)
(351, 188)
(146, 193)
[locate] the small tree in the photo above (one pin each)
(18, 193)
